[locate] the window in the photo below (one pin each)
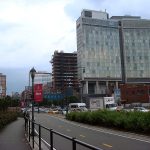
(88, 14)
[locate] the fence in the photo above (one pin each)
(29, 124)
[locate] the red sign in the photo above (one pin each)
(38, 93)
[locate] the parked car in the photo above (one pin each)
(142, 109)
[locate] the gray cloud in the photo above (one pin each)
(116, 7)
(30, 31)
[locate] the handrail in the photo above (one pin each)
(52, 132)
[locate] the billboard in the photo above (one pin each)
(54, 96)
(38, 93)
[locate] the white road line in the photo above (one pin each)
(68, 130)
(83, 136)
(107, 145)
(44, 141)
(101, 130)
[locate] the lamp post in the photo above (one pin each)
(32, 73)
(81, 84)
(81, 92)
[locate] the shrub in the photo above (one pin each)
(130, 121)
(7, 117)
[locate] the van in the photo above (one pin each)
(77, 107)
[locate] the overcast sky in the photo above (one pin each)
(31, 30)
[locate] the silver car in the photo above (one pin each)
(142, 109)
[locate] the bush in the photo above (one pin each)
(130, 121)
(6, 118)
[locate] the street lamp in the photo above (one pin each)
(32, 73)
(81, 84)
(81, 92)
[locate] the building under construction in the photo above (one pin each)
(64, 71)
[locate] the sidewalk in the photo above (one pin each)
(12, 137)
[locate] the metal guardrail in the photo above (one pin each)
(50, 145)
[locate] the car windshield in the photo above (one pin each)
(142, 108)
(112, 105)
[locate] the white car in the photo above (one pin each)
(142, 109)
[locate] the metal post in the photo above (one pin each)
(33, 112)
(81, 92)
(51, 139)
(67, 105)
(33, 134)
(38, 108)
(29, 130)
(32, 73)
(73, 144)
(39, 137)
(32, 99)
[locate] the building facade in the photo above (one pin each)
(2, 85)
(112, 51)
(45, 79)
(135, 93)
(64, 71)
(135, 49)
(98, 52)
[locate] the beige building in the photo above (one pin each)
(2, 85)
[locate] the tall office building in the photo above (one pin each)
(112, 51)
(2, 85)
(98, 51)
(135, 48)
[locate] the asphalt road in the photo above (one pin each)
(105, 139)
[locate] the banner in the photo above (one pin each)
(38, 93)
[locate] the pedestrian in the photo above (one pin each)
(26, 117)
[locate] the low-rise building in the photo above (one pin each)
(2, 85)
(135, 93)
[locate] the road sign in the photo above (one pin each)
(117, 92)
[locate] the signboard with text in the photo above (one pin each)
(38, 93)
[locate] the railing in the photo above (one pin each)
(51, 132)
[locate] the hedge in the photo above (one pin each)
(129, 121)
(6, 118)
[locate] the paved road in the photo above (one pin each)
(103, 138)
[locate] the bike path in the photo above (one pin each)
(12, 137)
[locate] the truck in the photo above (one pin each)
(96, 103)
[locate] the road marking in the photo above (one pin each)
(107, 145)
(82, 136)
(103, 131)
(46, 143)
(68, 130)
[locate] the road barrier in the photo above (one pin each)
(50, 145)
